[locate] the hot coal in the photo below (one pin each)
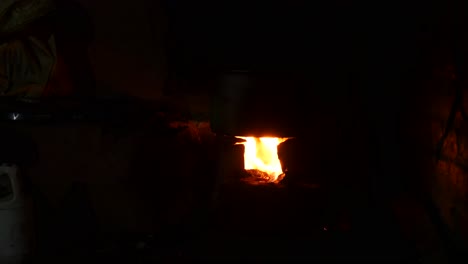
(256, 177)
(259, 177)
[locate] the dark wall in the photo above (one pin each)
(129, 56)
(128, 50)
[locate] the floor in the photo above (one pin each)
(261, 223)
(269, 223)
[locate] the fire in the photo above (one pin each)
(261, 154)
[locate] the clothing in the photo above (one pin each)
(25, 66)
(17, 14)
(26, 60)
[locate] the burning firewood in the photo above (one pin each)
(261, 158)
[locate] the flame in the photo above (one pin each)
(261, 153)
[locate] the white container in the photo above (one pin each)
(15, 218)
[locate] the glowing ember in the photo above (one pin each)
(261, 154)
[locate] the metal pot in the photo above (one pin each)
(257, 104)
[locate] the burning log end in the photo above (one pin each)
(258, 174)
(260, 177)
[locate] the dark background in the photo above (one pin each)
(366, 88)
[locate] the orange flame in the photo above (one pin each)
(262, 154)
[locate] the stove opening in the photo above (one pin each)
(261, 160)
